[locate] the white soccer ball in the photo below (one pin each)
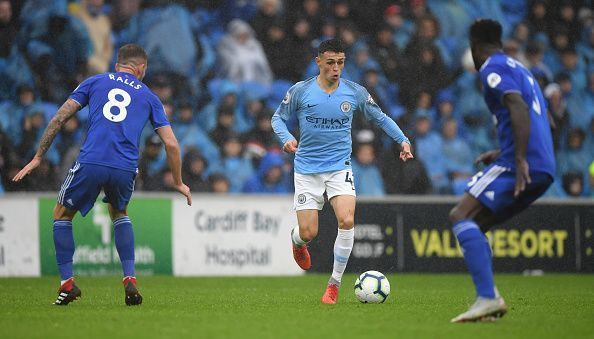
(372, 287)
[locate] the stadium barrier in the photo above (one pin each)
(249, 235)
(412, 234)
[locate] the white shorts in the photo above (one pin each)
(310, 188)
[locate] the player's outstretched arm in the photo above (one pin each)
(68, 109)
(174, 160)
(520, 120)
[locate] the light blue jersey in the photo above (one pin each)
(325, 122)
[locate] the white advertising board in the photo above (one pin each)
(234, 235)
(19, 237)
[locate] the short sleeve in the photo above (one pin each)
(499, 80)
(157, 117)
(81, 93)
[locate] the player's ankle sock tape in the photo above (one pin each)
(342, 250)
(64, 244)
(477, 255)
(124, 241)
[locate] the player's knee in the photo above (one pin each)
(308, 234)
(456, 214)
(346, 222)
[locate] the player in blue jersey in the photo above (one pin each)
(519, 172)
(119, 107)
(324, 106)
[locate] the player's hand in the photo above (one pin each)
(405, 153)
(487, 157)
(33, 164)
(290, 146)
(522, 176)
(185, 190)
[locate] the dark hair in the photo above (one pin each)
(332, 45)
(131, 53)
(486, 31)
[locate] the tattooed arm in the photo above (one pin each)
(68, 109)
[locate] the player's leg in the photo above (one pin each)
(344, 209)
(64, 245)
(118, 191)
(78, 193)
(342, 198)
(469, 218)
(309, 190)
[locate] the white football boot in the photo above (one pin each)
(484, 309)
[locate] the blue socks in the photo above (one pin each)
(64, 243)
(477, 255)
(124, 241)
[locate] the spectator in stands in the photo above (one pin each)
(573, 184)
(557, 107)
(425, 71)
(576, 157)
(237, 168)
(218, 183)
(91, 13)
(58, 69)
(311, 11)
(269, 178)
(426, 143)
(278, 51)
(8, 29)
(262, 136)
(224, 128)
(190, 135)
(368, 179)
(538, 18)
(193, 168)
(150, 166)
(33, 125)
(121, 13)
(402, 30)
(574, 67)
(534, 61)
(300, 43)
(241, 55)
(7, 158)
(458, 157)
(163, 28)
(269, 13)
(387, 53)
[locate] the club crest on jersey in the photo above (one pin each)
(370, 100)
(345, 107)
(493, 80)
(301, 198)
(287, 98)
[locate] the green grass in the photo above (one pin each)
(420, 306)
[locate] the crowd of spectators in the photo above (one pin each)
(222, 67)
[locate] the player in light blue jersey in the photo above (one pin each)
(119, 107)
(324, 106)
(519, 172)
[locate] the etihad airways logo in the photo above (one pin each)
(327, 123)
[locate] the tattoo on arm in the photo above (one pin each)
(68, 109)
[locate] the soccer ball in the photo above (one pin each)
(372, 287)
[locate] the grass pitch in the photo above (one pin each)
(420, 306)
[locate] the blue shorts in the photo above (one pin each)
(84, 182)
(494, 188)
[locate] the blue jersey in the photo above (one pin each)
(325, 121)
(119, 107)
(501, 74)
